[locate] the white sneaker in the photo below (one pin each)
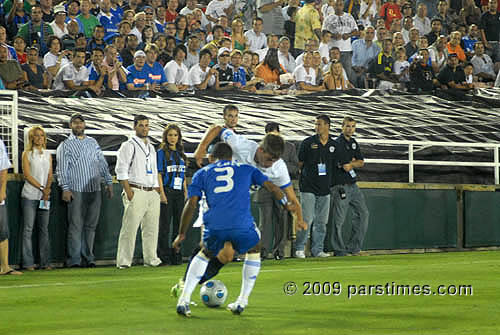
(323, 254)
(300, 254)
(238, 306)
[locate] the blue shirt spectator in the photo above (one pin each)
(363, 54)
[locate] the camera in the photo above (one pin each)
(342, 193)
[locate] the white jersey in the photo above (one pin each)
(244, 152)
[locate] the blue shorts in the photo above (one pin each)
(242, 240)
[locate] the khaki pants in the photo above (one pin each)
(144, 211)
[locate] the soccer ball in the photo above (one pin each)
(213, 293)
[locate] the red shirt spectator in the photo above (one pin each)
(389, 11)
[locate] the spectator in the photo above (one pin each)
(181, 28)
(201, 76)
(272, 43)
(106, 19)
(270, 12)
(171, 12)
(346, 193)
(367, 12)
(146, 37)
(128, 53)
(438, 54)
(116, 9)
(35, 74)
(139, 24)
(431, 7)
(452, 76)
(470, 13)
(483, 65)
(412, 47)
(5, 269)
(225, 72)
(334, 79)
(157, 77)
(383, 67)
(150, 18)
(176, 71)
(239, 75)
(305, 75)
(73, 10)
(80, 167)
(115, 70)
(402, 66)
(218, 8)
(389, 11)
(284, 56)
(97, 40)
(311, 46)
(12, 54)
(73, 76)
(315, 165)
(69, 40)
(172, 163)
(363, 52)
(88, 20)
(191, 8)
(421, 21)
(470, 40)
(307, 25)
(490, 30)
(55, 59)
(239, 41)
(407, 25)
(291, 4)
(269, 70)
(141, 198)
(449, 20)
(317, 65)
(256, 39)
(37, 171)
(36, 32)
(160, 23)
(16, 17)
(20, 46)
(454, 47)
(58, 25)
(217, 35)
(81, 42)
(98, 74)
(398, 40)
(10, 71)
(246, 63)
(138, 74)
(165, 49)
(324, 48)
(436, 28)
(290, 29)
(193, 56)
(47, 10)
(422, 75)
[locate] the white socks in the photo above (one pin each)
(196, 270)
(250, 271)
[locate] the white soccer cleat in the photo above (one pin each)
(238, 306)
(183, 309)
(300, 254)
(322, 254)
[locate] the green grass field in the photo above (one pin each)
(137, 301)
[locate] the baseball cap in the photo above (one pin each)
(75, 116)
(139, 53)
(59, 9)
(222, 50)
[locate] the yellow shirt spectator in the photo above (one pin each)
(306, 21)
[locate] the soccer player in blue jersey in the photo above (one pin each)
(226, 185)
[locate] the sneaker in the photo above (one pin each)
(183, 309)
(177, 289)
(300, 254)
(237, 307)
(122, 267)
(322, 254)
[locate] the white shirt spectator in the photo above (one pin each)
(483, 64)
(273, 19)
(50, 60)
(262, 53)
(326, 10)
(204, 21)
(423, 25)
(134, 158)
(406, 35)
(324, 51)
(256, 42)
(69, 72)
(191, 59)
(176, 74)
(288, 63)
(436, 59)
(58, 31)
(344, 24)
(137, 33)
(306, 76)
(196, 76)
(216, 8)
(372, 12)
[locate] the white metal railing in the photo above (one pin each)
(411, 162)
(12, 125)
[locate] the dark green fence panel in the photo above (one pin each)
(482, 219)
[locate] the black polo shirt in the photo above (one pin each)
(490, 23)
(382, 64)
(225, 76)
(447, 75)
(312, 153)
(345, 151)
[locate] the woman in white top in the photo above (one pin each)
(55, 59)
(334, 79)
(37, 171)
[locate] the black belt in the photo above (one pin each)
(144, 188)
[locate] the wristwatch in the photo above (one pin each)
(41, 188)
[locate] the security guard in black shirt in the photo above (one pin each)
(346, 193)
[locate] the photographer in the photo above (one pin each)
(422, 76)
(346, 194)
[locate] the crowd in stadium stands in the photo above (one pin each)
(269, 46)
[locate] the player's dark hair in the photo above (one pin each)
(273, 145)
(222, 151)
(138, 118)
(272, 126)
(324, 117)
(347, 119)
(228, 108)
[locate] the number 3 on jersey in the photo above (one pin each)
(227, 178)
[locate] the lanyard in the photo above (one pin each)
(145, 153)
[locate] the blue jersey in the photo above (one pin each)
(227, 188)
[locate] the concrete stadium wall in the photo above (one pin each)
(402, 216)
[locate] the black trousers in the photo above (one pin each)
(170, 215)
